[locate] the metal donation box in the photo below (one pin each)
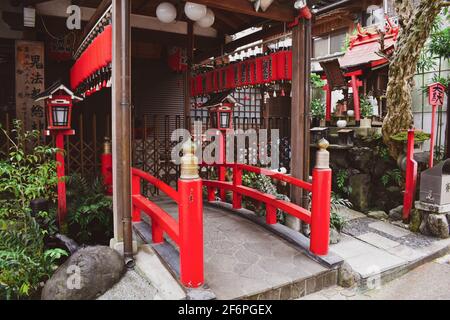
(435, 184)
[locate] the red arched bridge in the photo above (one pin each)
(187, 231)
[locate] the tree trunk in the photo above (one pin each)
(415, 29)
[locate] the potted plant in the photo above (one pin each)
(317, 112)
(366, 110)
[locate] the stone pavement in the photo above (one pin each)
(132, 286)
(378, 248)
(430, 281)
(244, 260)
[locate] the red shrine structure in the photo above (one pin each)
(367, 57)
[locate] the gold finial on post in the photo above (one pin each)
(322, 155)
(107, 146)
(189, 162)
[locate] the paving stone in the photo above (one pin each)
(406, 253)
(377, 240)
(349, 214)
(374, 262)
(351, 247)
(389, 229)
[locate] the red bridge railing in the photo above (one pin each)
(187, 231)
(319, 215)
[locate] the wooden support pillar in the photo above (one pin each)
(121, 125)
(301, 56)
(187, 74)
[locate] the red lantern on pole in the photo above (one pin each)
(58, 99)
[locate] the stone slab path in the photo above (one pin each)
(373, 247)
(430, 281)
(243, 259)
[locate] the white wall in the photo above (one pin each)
(418, 103)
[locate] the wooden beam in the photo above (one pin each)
(276, 12)
(121, 124)
(298, 115)
(231, 46)
(187, 83)
(93, 20)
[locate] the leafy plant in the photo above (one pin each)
(90, 210)
(342, 182)
(317, 109)
(264, 184)
(393, 176)
(366, 108)
(440, 43)
(27, 175)
(316, 81)
(27, 172)
(336, 220)
(24, 261)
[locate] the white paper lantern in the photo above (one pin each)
(208, 20)
(195, 11)
(166, 12)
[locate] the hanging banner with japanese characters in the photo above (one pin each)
(29, 82)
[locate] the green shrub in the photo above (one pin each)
(27, 173)
(90, 216)
(317, 109)
(264, 184)
(24, 261)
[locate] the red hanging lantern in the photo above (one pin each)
(252, 72)
(223, 78)
(216, 78)
(259, 70)
(274, 56)
(199, 85)
(266, 69)
(230, 77)
(209, 82)
(237, 74)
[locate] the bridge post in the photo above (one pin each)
(321, 201)
(190, 219)
(237, 181)
(136, 190)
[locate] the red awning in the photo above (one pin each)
(365, 53)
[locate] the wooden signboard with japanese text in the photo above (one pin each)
(436, 94)
(29, 82)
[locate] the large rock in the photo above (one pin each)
(438, 225)
(362, 158)
(88, 273)
(361, 187)
(380, 215)
(347, 277)
(396, 213)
